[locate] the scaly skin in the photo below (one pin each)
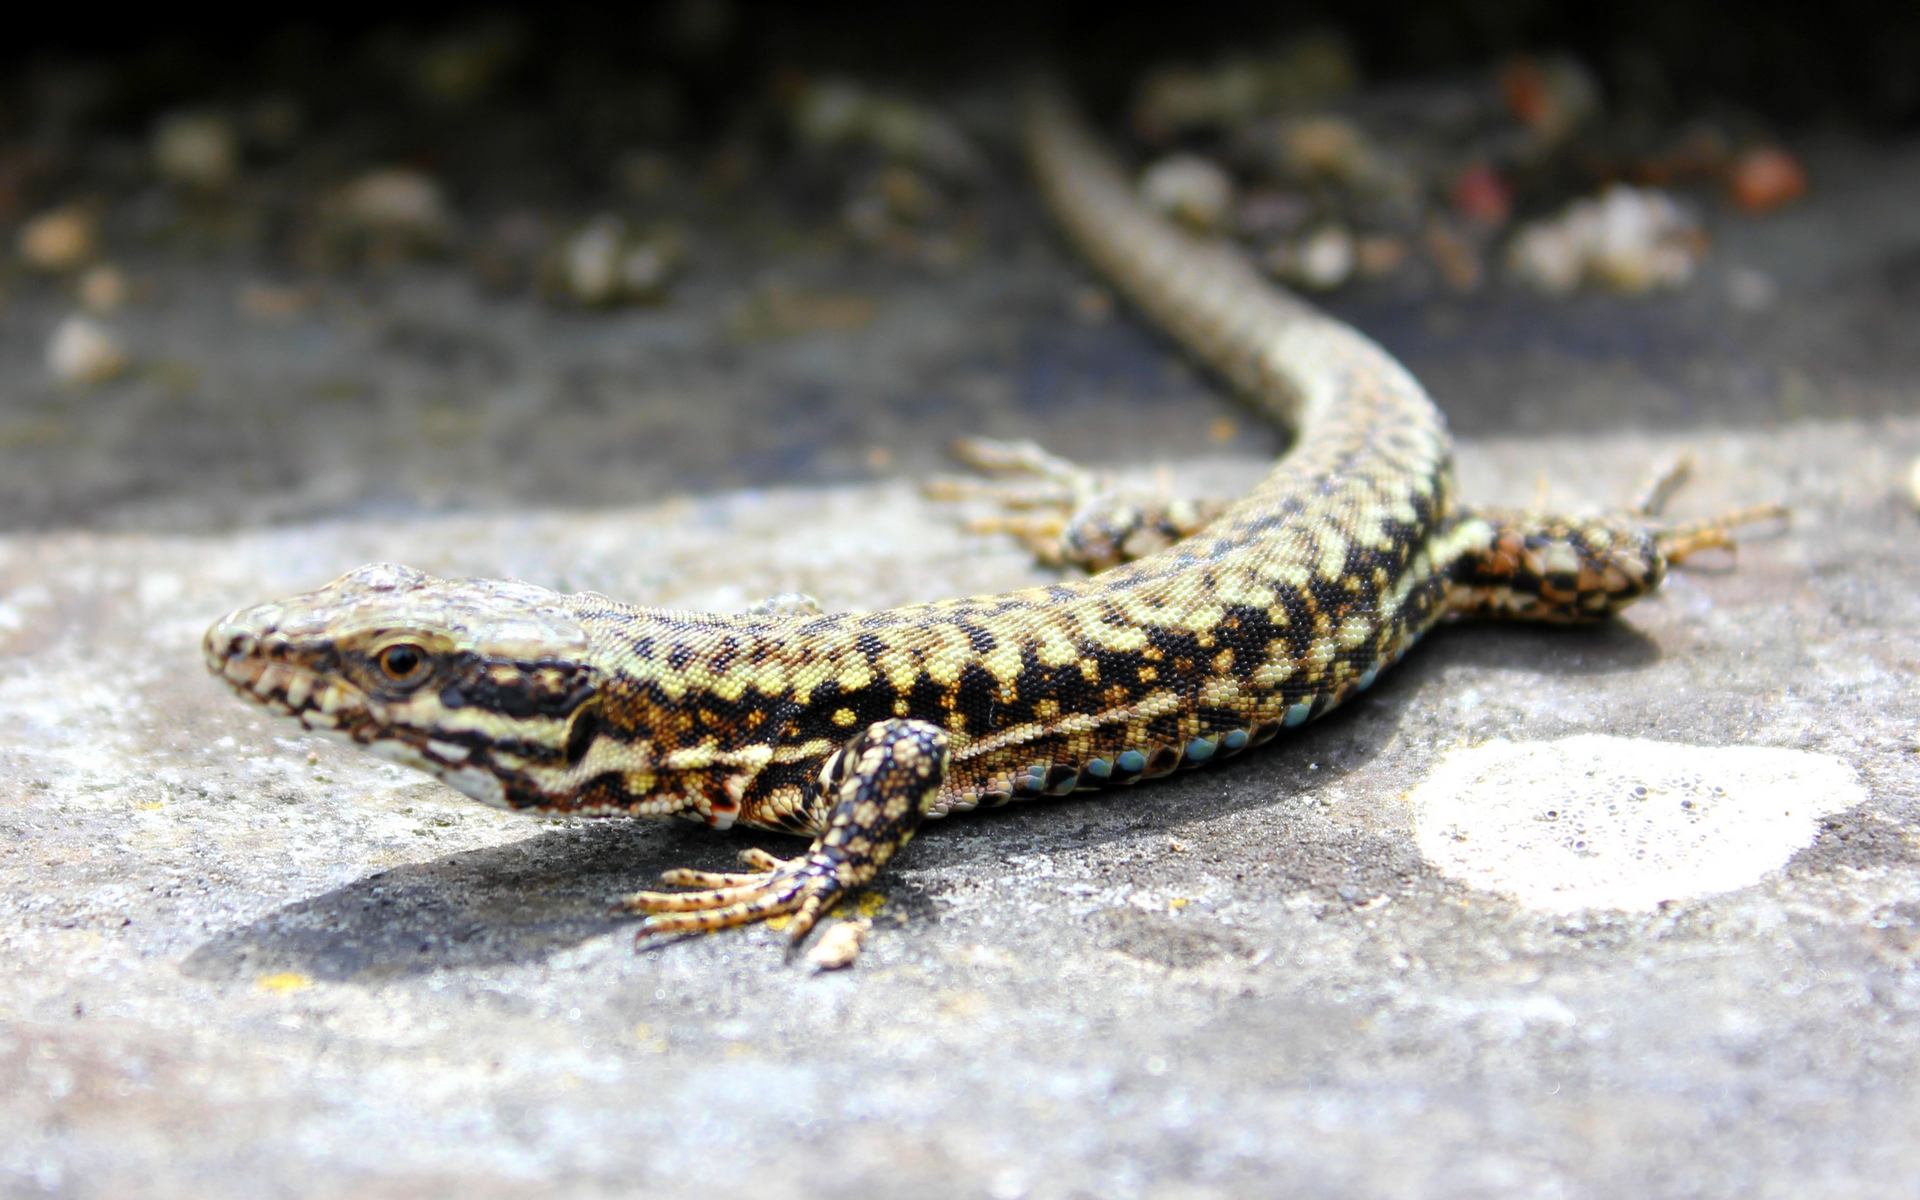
(852, 727)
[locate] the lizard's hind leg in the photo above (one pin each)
(892, 773)
(1065, 514)
(1512, 563)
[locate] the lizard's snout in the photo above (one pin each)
(227, 640)
(245, 650)
(236, 639)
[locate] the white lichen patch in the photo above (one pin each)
(1622, 823)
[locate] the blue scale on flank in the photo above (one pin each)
(1050, 780)
(1043, 779)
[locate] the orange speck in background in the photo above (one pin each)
(1766, 178)
(1480, 195)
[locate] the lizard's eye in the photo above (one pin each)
(402, 663)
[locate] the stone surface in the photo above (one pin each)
(245, 962)
(240, 962)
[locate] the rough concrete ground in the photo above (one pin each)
(242, 963)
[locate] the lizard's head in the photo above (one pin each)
(488, 685)
(518, 696)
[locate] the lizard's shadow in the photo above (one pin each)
(534, 898)
(1603, 648)
(504, 905)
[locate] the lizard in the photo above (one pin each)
(855, 728)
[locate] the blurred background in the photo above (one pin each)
(423, 257)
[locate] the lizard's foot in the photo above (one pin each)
(1065, 514)
(890, 775)
(1678, 540)
(1112, 530)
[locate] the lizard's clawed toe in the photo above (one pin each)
(728, 900)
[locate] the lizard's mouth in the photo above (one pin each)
(249, 665)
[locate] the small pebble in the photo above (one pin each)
(1629, 239)
(82, 352)
(604, 263)
(1548, 255)
(197, 150)
(1326, 258)
(1330, 147)
(103, 289)
(1321, 261)
(1189, 189)
(1766, 178)
(1643, 241)
(590, 260)
(61, 240)
(396, 199)
(839, 946)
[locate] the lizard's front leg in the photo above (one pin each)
(892, 773)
